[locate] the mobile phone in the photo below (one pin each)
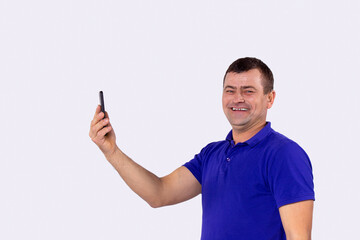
(102, 104)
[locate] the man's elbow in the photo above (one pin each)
(155, 204)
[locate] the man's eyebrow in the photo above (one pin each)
(243, 87)
(247, 87)
(229, 86)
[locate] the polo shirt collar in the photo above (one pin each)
(255, 139)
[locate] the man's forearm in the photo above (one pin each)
(144, 183)
(298, 238)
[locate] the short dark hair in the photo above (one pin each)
(249, 63)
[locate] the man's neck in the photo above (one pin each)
(242, 135)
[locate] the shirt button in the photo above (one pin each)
(228, 159)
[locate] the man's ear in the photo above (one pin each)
(270, 99)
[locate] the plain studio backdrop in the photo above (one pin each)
(160, 65)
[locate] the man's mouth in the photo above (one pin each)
(239, 109)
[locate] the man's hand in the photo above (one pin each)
(102, 133)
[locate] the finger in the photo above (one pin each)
(97, 118)
(96, 128)
(101, 134)
(109, 125)
(101, 116)
(98, 109)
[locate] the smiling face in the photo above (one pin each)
(244, 102)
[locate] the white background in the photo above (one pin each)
(160, 65)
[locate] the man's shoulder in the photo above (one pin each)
(280, 142)
(279, 146)
(214, 145)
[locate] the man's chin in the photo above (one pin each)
(246, 125)
(239, 125)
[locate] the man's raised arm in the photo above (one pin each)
(174, 188)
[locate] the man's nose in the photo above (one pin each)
(239, 98)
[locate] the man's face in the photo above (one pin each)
(244, 102)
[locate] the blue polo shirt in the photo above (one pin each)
(243, 185)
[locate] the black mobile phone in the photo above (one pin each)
(102, 104)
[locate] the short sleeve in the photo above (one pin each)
(290, 175)
(195, 165)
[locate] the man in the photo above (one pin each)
(256, 185)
